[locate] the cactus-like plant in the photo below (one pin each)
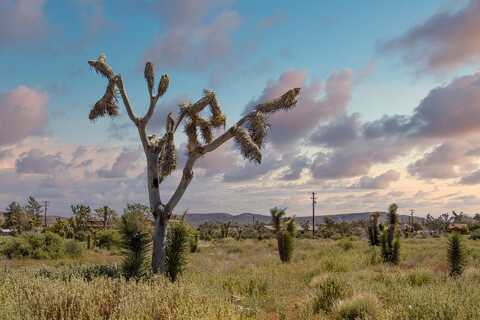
(373, 230)
(285, 233)
(456, 255)
(176, 249)
(135, 242)
(249, 133)
(390, 240)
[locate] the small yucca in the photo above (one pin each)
(456, 255)
(176, 249)
(135, 242)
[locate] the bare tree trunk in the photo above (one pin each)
(158, 212)
(159, 236)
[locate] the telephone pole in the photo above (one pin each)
(45, 206)
(314, 202)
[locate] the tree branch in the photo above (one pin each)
(187, 177)
(126, 102)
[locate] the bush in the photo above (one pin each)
(193, 241)
(46, 245)
(107, 239)
(345, 244)
(328, 292)
(15, 247)
(73, 248)
(475, 235)
(364, 307)
(176, 249)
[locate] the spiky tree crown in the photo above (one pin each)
(249, 132)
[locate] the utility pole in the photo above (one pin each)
(45, 205)
(105, 217)
(314, 202)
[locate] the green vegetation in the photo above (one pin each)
(46, 245)
(456, 255)
(135, 242)
(285, 232)
(229, 279)
(178, 240)
(390, 240)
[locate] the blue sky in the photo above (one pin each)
(241, 49)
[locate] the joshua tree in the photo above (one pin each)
(456, 256)
(285, 232)
(160, 152)
(107, 215)
(373, 230)
(225, 229)
(390, 240)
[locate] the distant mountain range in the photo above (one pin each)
(196, 219)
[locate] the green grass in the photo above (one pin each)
(232, 279)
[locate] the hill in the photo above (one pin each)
(197, 219)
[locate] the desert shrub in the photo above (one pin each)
(34, 245)
(456, 255)
(345, 244)
(176, 249)
(419, 278)
(73, 248)
(107, 239)
(328, 292)
(135, 243)
(193, 241)
(475, 235)
(86, 272)
(15, 247)
(363, 307)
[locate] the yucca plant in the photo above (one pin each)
(390, 240)
(176, 249)
(285, 233)
(135, 243)
(456, 255)
(373, 230)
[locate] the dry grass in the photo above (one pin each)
(245, 280)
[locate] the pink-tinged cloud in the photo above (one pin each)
(381, 181)
(23, 113)
(191, 41)
(21, 21)
(445, 41)
(316, 104)
(448, 160)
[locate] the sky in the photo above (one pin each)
(389, 109)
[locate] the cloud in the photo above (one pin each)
(445, 41)
(125, 162)
(472, 178)
(338, 132)
(38, 162)
(23, 113)
(295, 168)
(21, 21)
(445, 161)
(193, 40)
(382, 181)
(311, 109)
